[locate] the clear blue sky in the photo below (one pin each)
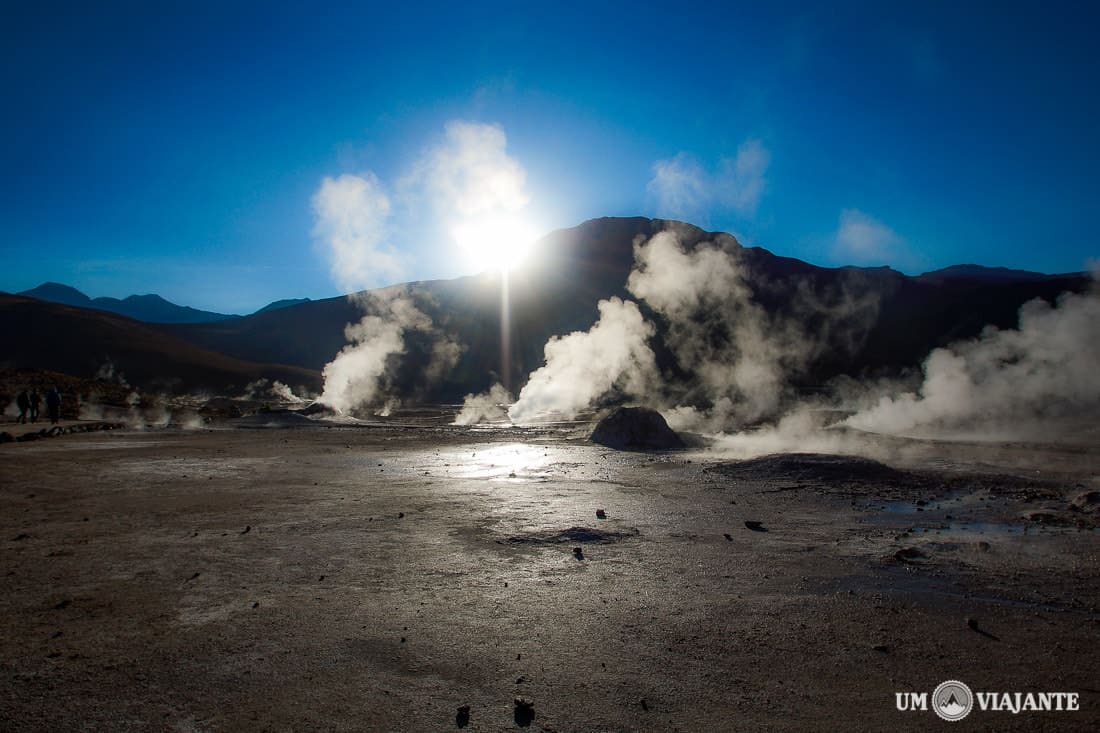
(177, 147)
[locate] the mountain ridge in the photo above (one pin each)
(583, 265)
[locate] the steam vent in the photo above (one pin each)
(636, 428)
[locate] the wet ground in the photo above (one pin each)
(271, 574)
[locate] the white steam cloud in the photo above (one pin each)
(741, 356)
(683, 189)
(470, 182)
(352, 212)
(491, 406)
(583, 366)
(736, 360)
(1047, 366)
(861, 239)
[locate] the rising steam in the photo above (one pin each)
(488, 406)
(583, 366)
(461, 183)
(735, 361)
(1046, 367)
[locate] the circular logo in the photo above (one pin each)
(952, 700)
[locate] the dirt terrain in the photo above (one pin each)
(279, 574)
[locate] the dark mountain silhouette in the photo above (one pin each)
(285, 303)
(990, 274)
(889, 321)
(147, 308)
(906, 317)
(85, 342)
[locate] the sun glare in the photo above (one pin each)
(495, 243)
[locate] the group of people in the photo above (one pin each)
(28, 405)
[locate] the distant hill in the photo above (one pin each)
(285, 303)
(874, 321)
(85, 342)
(990, 274)
(582, 265)
(147, 308)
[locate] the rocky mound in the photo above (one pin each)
(636, 428)
(812, 467)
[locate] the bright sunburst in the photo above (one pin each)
(495, 242)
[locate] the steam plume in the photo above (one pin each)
(356, 377)
(485, 407)
(1047, 366)
(467, 180)
(583, 366)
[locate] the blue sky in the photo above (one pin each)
(180, 148)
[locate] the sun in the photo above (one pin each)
(498, 242)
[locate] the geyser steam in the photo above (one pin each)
(1048, 366)
(467, 179)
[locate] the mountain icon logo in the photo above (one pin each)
(952, 700)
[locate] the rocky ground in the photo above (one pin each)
(413, 576)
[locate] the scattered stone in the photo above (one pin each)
(247, 529)
(401, 515)
(601, 514)
(1086, 502)
(644, 704)
(972, 623)
(881, 648)
(728, 536)
(62, 604)
(255, 604)
(578, 553)
(910, 554)
(636, 428)
(21, 536)
(524, 713)
(755, 526)
(462, 717)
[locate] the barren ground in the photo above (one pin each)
(377, 578)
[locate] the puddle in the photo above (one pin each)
(511, 462)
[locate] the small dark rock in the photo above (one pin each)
(401, 515)
(247, 529)
(644, 704)
(462, 717)
(578, 553)
(728, 536)
(255, 604)
(601, 514)
(755, 526)
(881, 648)
(524, 713)
(910, 554)
(62, 604)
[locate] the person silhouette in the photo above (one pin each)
(23, 402)
(36, 401)
(53, 405)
